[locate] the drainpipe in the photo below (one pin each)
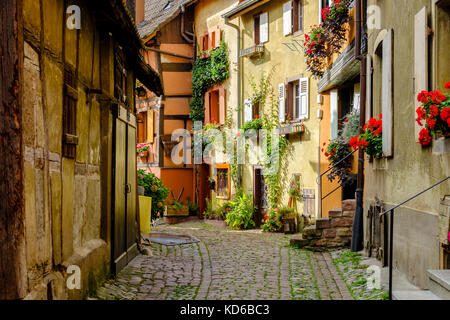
(358, 225)
(238, 81)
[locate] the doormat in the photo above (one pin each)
(167, 239)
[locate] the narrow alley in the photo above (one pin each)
(228, 265)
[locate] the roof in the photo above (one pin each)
(159, 13)
(114, 17)
(243, 7)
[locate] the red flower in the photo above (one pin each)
(381, 116)
(431, 123)
(418, 120)
(445, 113)
(332, 154)
(327, 154)
(335, 149)
(322, 149)
(424, 137)
(354, 142)
(437, 96)
(423, 97)
(447, 85)
(434, 110)
(363, 143)
(373, 122)
(379, 131)
(420, 113)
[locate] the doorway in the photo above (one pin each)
(260, 192)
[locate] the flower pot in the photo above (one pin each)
(181, 212)
(143, 154)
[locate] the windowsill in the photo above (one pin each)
(298, 33)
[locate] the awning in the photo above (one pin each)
(243, 8)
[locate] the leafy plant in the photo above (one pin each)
(176, 205)
(272, 221)
(255, 124)
(141, 148)
(155, 189)
(351, 126)
(241, 216)
(206, 73)
(336, 151)
(193, 208)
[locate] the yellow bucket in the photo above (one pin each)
(145, 213)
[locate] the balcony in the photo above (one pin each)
(256, 50)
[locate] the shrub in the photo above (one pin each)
(241, 216)
(155, 189)
(272, 221)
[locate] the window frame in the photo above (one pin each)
(298, 23)
(222, 167)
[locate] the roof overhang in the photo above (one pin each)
(243, 8)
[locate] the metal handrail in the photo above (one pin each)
(391, 229)
(329, 169)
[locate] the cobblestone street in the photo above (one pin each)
(228, 265)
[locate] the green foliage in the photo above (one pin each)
(176, 205)
(241, 216)
(272, 221)
(155, 189)
(193, 208)
(336, 151)
(255, 124)
(206, 73)
(351, 126)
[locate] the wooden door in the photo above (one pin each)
(124, 230)
(204, 188)
(260, 192)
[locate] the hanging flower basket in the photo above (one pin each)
(433, 115)
(336, 20)
(316, 51)
(168, 145)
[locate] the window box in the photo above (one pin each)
(291, 128)
(256, 50)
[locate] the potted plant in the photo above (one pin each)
(371, 141)
(177, 209)
(153, 188)
(433, 115)
(316, 51)
(289, 220)
(272, 221)
(142, 150)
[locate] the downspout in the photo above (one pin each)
(358, 225)
(238, 82)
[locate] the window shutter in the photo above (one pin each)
(207, 108)
(357, 102)
(264, 27)
(287, 18)
(334, 113)
(248, 109)
(387, 94)
(150, 130)
(222, 105)
(282, 102)
(420, 59)
(201, 43)
(369, 88)
(212, 36)
(290, 101)
(70, 139)
(304, 98)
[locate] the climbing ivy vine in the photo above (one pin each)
(207, 72)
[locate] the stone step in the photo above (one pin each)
(349, 205)
(440, 283)
(298, 240)
(414, 295)
(311, 232)
(335, 213)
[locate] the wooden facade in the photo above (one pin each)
(64, 151)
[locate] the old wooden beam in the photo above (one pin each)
(12, 230)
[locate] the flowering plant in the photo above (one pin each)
(433, 115)
(272, 221)
(141, 148)
(336, 11)
(335, 19)
(315, 50)
(336, 151)
(370, 141)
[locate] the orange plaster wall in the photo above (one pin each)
(177, 106)
(176, 179)
(177, 83)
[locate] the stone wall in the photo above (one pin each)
(332, 232)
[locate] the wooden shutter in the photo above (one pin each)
(70, 139)
(282, 102)
(222, 105)
(248, 110)
(150, 129)
(387, 94)
(207, 107)
(264, 27)
(334, 113)
(142, 130)
(256, 29)
(309, 202)
(287, 18)
(290, 101)
(420, 59)
(304, 98)
(369, 88)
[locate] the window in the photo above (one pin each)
(120, 79)
(215, 106)
(251, 110)
(297, 16)
(70, 139)
(223, 181)
(142, 127)
(297, 99)
(322, 5)
(261, 28)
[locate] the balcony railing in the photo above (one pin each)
(255, 50)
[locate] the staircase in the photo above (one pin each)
(439, 281)
(332, 232)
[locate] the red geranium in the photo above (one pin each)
(424, 137)
(447, 85)
(354, 143)
(423, 97)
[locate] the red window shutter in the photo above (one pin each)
(207, 107)
(222, 105)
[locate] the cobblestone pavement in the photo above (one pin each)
(227, 265)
